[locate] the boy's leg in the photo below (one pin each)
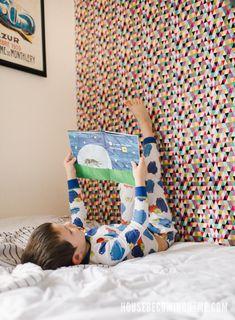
(160, 217)
(127, 197)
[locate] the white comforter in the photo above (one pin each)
(186, 273)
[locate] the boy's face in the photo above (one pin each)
(72, 234)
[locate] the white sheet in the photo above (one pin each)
(187, 272)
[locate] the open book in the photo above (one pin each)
(104, 155)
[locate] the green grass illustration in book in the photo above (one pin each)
(104, 155)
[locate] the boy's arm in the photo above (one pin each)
(76, 204)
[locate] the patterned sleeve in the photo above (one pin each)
(76, 204)
(115, 250)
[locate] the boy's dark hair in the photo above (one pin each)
(46, 249)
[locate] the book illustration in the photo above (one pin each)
(95, 156)
(104, 155)
(92, 163)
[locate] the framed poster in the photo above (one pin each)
(22, 35)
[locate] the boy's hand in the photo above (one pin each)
(134, 102)
(139, 172)
(69, 166)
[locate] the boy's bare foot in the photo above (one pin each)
(161, 241)
(137, 107)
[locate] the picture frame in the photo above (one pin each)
(22, 36)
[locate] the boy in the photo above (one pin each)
(146, 226)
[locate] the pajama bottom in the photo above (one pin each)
(160, 217)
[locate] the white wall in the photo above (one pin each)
(35, 113)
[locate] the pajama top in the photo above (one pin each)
(114, 243)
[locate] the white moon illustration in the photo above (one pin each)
(95, 156)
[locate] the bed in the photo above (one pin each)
(191, 280)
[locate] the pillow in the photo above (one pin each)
(12, 245)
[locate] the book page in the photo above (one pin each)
(122, 149)
(88, 148)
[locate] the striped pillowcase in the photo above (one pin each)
(12, 245)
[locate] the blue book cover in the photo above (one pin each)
(104, 155)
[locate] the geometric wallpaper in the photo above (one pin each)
(179, 56)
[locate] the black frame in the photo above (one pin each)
(42, 72)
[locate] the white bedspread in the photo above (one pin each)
(186, 273)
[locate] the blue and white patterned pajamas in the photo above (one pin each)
(144, 212)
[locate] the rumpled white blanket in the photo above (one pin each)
(26, 275)
(186, 273)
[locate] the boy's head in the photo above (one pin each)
(53, 245)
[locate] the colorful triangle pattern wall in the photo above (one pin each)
(180, 57)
